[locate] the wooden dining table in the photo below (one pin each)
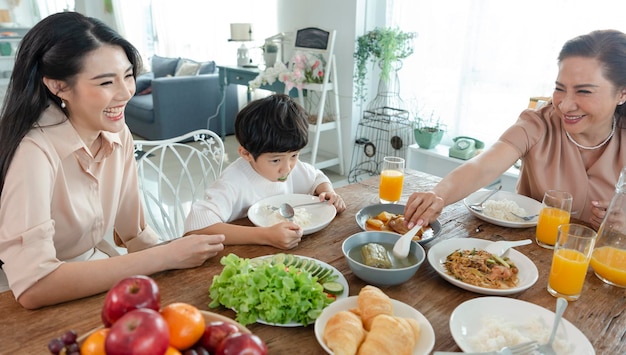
(600, 313)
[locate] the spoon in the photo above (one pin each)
(286, 210)
(500, 247)
(403, 244)
(478, 206)
(546, 349)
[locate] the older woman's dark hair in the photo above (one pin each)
(609, 48)
(54, 48)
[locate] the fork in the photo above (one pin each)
(526, 218)
(517, 349)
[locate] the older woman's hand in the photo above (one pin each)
(422, 208)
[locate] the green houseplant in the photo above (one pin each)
(428, 132)
(382, 45)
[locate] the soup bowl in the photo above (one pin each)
(401, 269)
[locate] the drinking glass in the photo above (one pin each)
(391, 179)
(557, 206)
(570, 261)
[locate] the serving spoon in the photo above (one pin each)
(500, 247)
(403, 245)
(286, 210)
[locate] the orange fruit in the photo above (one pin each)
(94, 343)
(186, 324)
(171, 351)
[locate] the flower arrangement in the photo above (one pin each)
(303, 68)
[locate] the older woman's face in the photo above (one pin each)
(97, 100)
(585, 99)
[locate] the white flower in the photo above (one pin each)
(304, 67)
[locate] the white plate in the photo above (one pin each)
(425, 343)
(466, 322)
(374, 210)
(321, 215)
(531, 206)
(340, 278)
(527, 275)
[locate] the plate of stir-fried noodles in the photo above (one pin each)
(464, 263)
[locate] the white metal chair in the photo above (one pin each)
(173, 173)
(322, 42)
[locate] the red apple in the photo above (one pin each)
(242, 344)
(214, 333)
(130, 293)
(138, 332)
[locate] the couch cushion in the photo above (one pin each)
(163, 66)
(141, 107)
(207, 67)
(143, 83)
(187, 67)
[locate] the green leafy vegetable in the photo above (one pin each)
(271, 292)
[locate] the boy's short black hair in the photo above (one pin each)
(275, 124)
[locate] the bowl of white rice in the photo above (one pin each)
(311, 218)
(502, 206)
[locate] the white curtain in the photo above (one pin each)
(477, 62)
(49, 7)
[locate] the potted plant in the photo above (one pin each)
(384, 46)
(428, 132)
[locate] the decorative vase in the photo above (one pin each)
(428, 137)
(269, 59)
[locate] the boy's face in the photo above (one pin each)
(272, 166)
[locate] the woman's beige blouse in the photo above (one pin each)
(551, 161)
(58, 201)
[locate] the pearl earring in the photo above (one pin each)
(63, 105)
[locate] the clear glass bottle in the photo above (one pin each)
(609, 256)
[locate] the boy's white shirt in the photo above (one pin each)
(240, 186)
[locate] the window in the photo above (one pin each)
(477, 62)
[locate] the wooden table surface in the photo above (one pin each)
(600, 313)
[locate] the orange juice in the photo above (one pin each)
(390, 188)
(568, 271)
(610, 263)
(548, 222)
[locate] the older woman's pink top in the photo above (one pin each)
(58, 201)
(551, 161)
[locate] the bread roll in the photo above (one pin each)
(391, 335)
(344, 333)
(373, 302)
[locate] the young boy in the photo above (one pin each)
(271, 132)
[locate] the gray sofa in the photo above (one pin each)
(173, 100)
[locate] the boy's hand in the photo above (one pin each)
(333, 198)
(284, 235)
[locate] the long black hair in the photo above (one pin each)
(54, 48)
(609, 48)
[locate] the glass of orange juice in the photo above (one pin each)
(570, 261)
(556, 209)
(391, 180)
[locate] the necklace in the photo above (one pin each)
(595, 146)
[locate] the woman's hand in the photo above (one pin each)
(284, 235)
(193, 250)
(333, 198)
(422, 208)
(598, 211)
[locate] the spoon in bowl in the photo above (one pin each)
(286, 210)
(403, 244)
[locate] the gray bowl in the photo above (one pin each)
(401, 271)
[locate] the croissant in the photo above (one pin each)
(391, 335)
(371, 303)
(344, 333)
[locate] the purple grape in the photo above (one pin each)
(72, 348)
(69, 337)
(56, 345)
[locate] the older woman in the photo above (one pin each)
(574, 144)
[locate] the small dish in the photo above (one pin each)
(425, 343)
(340, 278)
(468, 320)
(528, 204)
(374, 210)
(265, 212)
(527, 276)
